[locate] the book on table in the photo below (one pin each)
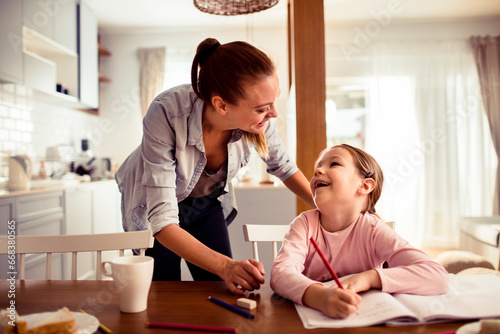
(469, 297)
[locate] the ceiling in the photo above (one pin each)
(125, 15)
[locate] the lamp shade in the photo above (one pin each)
(233, 7)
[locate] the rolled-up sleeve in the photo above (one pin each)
(279, 162)
(159, 178)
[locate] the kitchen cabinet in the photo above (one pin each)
(88, 57)
(11, 41)
(106, 207)
(39, 16)
(83, 209)
(91, 208)
(78, 213)
(53, 57)
(50, 47)
(41, 214)
(53, 19)
(65, 24)
(7, 215)
(49, 44)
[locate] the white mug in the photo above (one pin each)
(132, 277)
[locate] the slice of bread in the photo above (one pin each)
(59, 322)
(490, 326)
(8, 321)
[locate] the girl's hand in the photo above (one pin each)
(333, 302)
(338, 303)
(241, 276)
(363, 281)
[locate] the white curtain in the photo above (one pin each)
(427, 129)
(152, 67)
(487, 56)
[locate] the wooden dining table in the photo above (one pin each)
(182, 302)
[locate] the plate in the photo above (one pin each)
(86, 323)
(472, 328)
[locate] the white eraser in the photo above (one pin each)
(246, 303)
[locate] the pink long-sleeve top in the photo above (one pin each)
(365, 244)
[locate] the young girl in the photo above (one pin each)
(347, 184)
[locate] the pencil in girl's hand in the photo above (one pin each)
(327, 264)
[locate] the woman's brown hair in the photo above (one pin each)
(223, 69)
(367, 167)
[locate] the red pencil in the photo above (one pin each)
(327, 264)
(191, 327)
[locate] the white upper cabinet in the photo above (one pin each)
(65, 25)
(54, 19)
(11, 41)
(50, 46)
(89, 56)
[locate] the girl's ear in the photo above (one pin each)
(219, 105)
(367, 185)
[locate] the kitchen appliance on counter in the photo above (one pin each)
(20, 169)
(61, 159)
(85, 161)
(88, 164)
(103, 169)
(97, 168)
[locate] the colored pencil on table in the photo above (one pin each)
(191, 327)
(327, 264)
(231, 307)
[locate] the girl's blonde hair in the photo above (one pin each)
(367, 167)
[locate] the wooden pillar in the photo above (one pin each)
(307, 59)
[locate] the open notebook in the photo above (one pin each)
(470, 297)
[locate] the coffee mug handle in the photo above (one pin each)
(105, 272)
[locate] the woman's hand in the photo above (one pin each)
(333, 302)
(363, 281)
(241, 276)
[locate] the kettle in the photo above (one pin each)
(20, 169)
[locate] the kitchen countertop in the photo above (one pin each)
(45, 187)
(58, 185)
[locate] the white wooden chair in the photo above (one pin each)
(272, 233)
(391, 224)
(49, 244)
(264, 233)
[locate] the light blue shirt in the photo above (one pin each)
(164, 169)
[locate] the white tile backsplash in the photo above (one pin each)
(28, 126)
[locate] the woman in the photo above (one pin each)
(196, 138)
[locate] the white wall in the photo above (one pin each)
(120, 100)
(348, 46)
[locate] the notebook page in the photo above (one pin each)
(375, 308)
(469, 297)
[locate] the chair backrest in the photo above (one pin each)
(49, 244)
(391, 224)
(272, 233)
(264, 233)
